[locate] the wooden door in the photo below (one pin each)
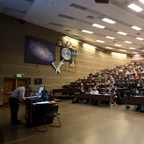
(22, 82)
(9, 86)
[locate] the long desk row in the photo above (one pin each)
(100, 97)
(135, 100)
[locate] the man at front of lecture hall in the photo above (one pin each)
(17, 94)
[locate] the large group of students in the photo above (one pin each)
(112, 79)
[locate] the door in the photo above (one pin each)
(9, 86)
(22, 82)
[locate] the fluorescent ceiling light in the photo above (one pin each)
(108, 20)
(128, 42)
(122, 33)
(90, 45)
(122, 50)
(72, 38)
(136, 28)
(87, 31)
(110, 37)
(143, 50)
(142, 1)
(138, 38)
(98, 26)
(117, 45)
(135, 7)
(100, 41)
(131, 48)
(134, 52)
(109, 47)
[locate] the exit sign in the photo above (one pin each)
(18, 75)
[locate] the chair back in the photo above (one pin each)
(51, 111)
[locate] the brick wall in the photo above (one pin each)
(12, 46)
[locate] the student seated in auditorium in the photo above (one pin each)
(100, 72)
(92, 80)
(100, 77)
(78, 80)
(94, 91)
(83, 91)
(139, 73)
(85, 77)
(110, 90)
(101, 85)
(89, 90)
(140, 83)
(116, 97)
(79, 83)
(97, 85)
(112, 80)
(136, 76)
(117, 75)
(111, 85)
(121, 70)
(106, 90)
(127, 81)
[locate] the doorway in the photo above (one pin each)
(10, 84)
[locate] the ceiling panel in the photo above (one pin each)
(71, 16)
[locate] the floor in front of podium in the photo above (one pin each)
(81, 124)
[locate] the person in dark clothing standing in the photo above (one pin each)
(17, 94)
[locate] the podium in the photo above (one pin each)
(32, 105)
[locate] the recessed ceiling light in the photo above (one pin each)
(128, 42)
(131, 48)
(108, 20)
(122, 33)
(100, 41)
(117, 45)
(90, 45)
(98, 26)
(135, 7)
(138, 38)
(142, 1)
(136, 28)
(72, 38)
(110, 37)
(122, 50)
(87, 31)
(109, 47)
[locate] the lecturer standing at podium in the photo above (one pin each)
(17, 94)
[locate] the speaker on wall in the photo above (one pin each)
(102, 1)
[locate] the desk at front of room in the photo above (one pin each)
(32, 105)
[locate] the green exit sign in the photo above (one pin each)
(18, 75)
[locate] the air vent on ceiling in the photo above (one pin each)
(30, 1)
(90, 17)
(15, 10)
(78, 6)
(65, 16)
(114, 41)
(138, 33)
(76, 36)
(67, 30)
(55, 24)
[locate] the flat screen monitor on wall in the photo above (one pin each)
(38, 81)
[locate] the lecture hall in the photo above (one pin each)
(71, 71)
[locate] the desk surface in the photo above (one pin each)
(134, 100)
(46, 102)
